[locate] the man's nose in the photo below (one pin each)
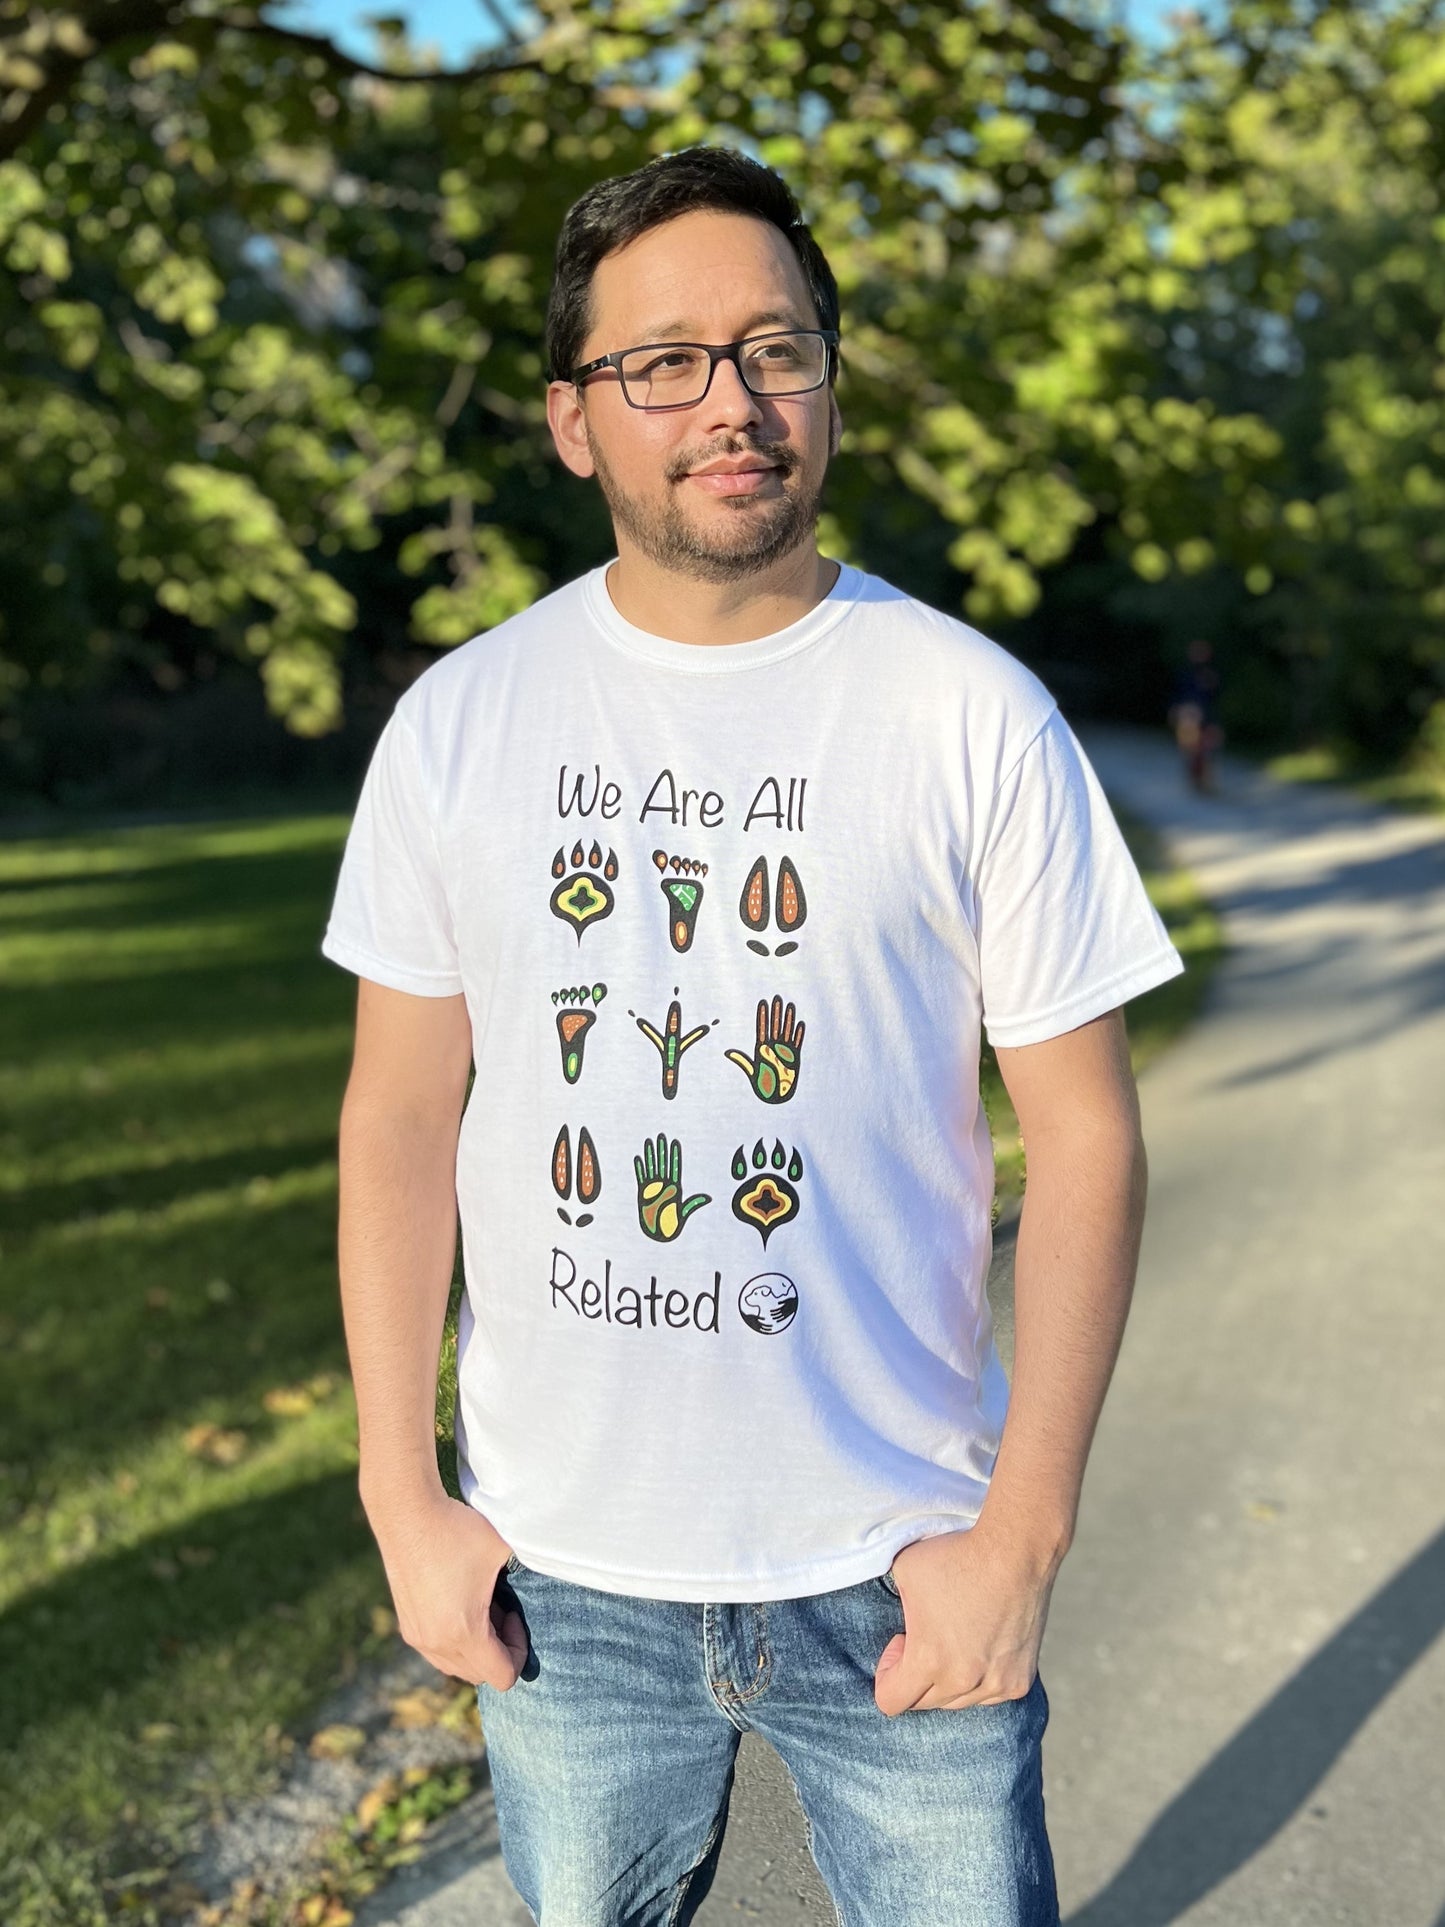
(729, 402)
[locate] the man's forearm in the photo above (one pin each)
(1074, 1267)
(397, 1246)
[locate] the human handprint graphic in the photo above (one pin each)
(774, 1071)
(661, 1209)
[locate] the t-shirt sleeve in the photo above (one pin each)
(1066, 930)
(390, 920)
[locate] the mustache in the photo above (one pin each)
(777, 453)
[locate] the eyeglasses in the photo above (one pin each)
(677, 374)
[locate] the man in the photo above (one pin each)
(712, 863)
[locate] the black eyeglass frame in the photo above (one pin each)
(730, 352)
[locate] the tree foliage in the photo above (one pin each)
(272, 386)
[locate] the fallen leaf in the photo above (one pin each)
(159, 1732)
(423, 1706)
(374, 1802)
(288, 1401)
(336, 1742)
(214, 1443)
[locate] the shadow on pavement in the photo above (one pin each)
(1252, 1786)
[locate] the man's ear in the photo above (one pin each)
(568, 424)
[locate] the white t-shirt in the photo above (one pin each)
(727, 920)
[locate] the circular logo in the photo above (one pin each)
(768, 1302)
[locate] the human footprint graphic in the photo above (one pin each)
(773, 1073)
(661, 1210)
(574, 1020)
(684, 896)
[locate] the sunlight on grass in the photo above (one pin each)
(1420, 786)
(179, 1528)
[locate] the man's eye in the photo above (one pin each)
(668, 364)
(776, 351)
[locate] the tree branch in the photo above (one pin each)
(110, 24)
(346, 63)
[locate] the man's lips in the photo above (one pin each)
(745, 481)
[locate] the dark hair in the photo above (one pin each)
(617, 211)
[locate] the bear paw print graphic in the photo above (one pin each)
(766, 1196)
(584, 893)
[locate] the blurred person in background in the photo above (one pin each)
(712, 864)
(1193, 715)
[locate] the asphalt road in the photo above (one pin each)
(1243, 1657)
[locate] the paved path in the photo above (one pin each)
(1243, 1659)
(1244, 1655)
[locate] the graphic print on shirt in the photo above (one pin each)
(767, 1179)
(574, 1022)
(588, 1173)
(670, 1042)
(584, 893)
(768, 1302)
(765, 1198)
(684, 896)
(774, 1072)
(789, 912)
(661, 1208)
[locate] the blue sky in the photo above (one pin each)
(462, 28)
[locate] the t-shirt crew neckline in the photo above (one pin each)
(722, 657)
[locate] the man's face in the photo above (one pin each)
(713, 277)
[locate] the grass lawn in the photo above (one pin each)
(184, 1566)
(1401, 786)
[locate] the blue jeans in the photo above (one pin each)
(612, 1759)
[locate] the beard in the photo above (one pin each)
(745, 535)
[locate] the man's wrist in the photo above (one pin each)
(1040, 1531)
(392, 1491)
